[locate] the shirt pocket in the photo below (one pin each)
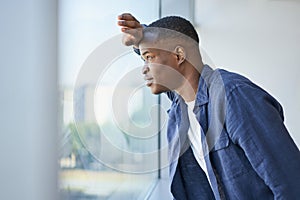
(221, 143)
(229, 159)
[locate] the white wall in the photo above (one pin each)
(28, 101)
(178, 7)
(259, 39)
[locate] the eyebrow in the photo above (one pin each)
(145, 53)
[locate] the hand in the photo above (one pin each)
(132, 29)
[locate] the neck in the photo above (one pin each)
(188, 90)
(189, 87)
(191, 70)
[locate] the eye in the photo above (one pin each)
(149, 58)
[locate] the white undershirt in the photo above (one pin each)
(194, 135)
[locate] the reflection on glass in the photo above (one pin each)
(108, 142)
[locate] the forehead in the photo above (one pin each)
(151, 43)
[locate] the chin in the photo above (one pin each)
(158, 90)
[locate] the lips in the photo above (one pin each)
(149, 81)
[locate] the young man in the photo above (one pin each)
(226, 135)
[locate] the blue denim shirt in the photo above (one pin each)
(249, 152)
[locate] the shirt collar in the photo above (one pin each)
(202, 92)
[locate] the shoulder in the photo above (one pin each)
(217, 84)
(239, 87)
(230, 80)
(227, 83)
(221, 79)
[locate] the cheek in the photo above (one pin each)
(166, 76)
(163, 66)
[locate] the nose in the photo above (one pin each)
(145, 69)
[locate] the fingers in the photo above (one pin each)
(127, 21)
(129, 31)
(128, 17)
(129, 24)
(132, 29)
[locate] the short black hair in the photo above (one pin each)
(176, 24)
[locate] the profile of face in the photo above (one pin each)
(162, 66)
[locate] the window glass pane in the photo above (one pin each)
(109, 141)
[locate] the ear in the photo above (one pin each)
(180, 52)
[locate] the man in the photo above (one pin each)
(226, 135)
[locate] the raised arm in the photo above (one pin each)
(132, 29)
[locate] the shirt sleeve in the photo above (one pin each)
(254, 120)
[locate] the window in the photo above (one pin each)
(109, 140)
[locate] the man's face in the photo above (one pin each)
(161, 69)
